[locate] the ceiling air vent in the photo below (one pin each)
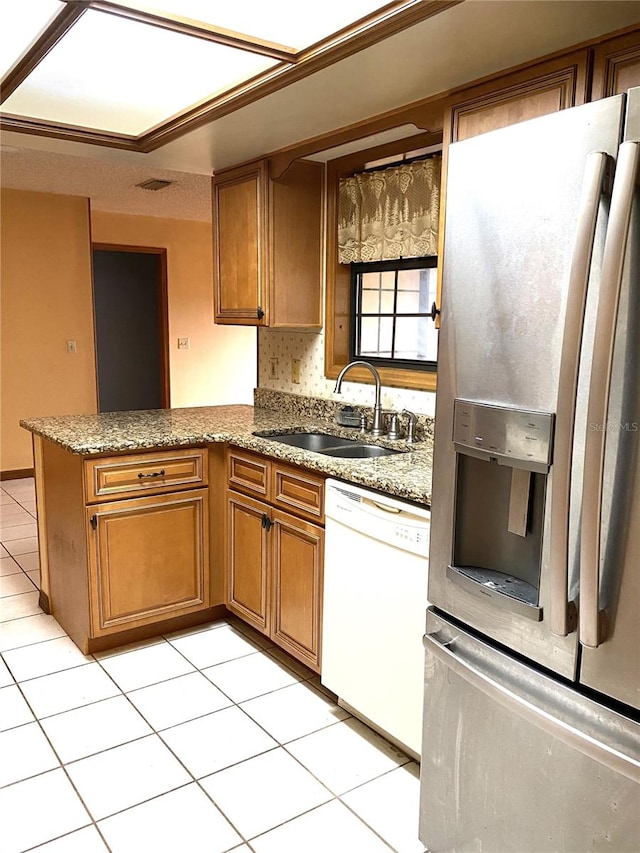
(154, 184)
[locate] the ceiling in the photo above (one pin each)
(458, 44)
(134, 73)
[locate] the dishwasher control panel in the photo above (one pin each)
(382, 518)
(410, 534)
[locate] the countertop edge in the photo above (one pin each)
(388, 475)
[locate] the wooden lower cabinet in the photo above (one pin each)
(148, 559)
(275, 569)
(125, 542)
(297, 560)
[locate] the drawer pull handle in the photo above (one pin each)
(160, 473)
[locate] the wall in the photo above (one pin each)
(220, 366)
(46, 300)
(309, 348)
(45, 273)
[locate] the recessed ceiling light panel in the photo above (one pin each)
(287, 22)
(22, 23)
(111, 73)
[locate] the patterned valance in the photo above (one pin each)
(391, 213)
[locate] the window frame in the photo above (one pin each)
(396, 265)
(338, 276)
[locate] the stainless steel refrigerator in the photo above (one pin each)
(532, 673)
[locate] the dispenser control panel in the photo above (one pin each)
(513, 436)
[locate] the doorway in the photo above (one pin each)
(131, 326)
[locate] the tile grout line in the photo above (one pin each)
(267, 652)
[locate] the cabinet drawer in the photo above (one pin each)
(248, 472)
(148, 473)
(298, 491)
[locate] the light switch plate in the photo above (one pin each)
(184, 343)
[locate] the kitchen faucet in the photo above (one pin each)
(376, 428)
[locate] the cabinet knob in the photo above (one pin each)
(260, 313)
(267, 524)
(94, 521)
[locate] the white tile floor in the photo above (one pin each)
(210, 739)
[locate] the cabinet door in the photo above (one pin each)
(539, 90)
(616, 66)
(295, 232)
(240, 198)
(297, 554)
(148, 559)
(247, 562)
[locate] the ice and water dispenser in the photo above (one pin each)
(502, 463)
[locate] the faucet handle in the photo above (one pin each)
(392, 431)
(412, 420)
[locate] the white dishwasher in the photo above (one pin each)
(375, 597)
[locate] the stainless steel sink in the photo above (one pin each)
(316, 441)
(329, 445)
(359, 451)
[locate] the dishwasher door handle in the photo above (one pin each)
(392, 509)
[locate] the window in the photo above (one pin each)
(392, 324)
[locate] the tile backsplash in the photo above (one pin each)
(309, 349)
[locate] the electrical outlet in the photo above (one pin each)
(295, 371)
(72, 347)
(184, 343)
(273, 368)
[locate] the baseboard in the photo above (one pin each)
(17, 474)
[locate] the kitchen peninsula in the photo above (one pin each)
(132, 507)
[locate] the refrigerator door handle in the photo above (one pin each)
(592, 620)
(563, 613)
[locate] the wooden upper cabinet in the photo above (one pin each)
(240, 198)
(535, 91)
(616, 66)
(268, 246)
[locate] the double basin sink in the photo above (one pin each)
(329, 445)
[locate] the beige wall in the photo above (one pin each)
(45, 300)
(220, 367)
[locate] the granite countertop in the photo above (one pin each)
(404, 475)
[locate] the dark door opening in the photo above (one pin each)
(130, 315)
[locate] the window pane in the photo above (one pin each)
(408, 302)
(370, 301)
(377, 302)
(417, 337)
(370, 280)
(409, 279)
(376, 336)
